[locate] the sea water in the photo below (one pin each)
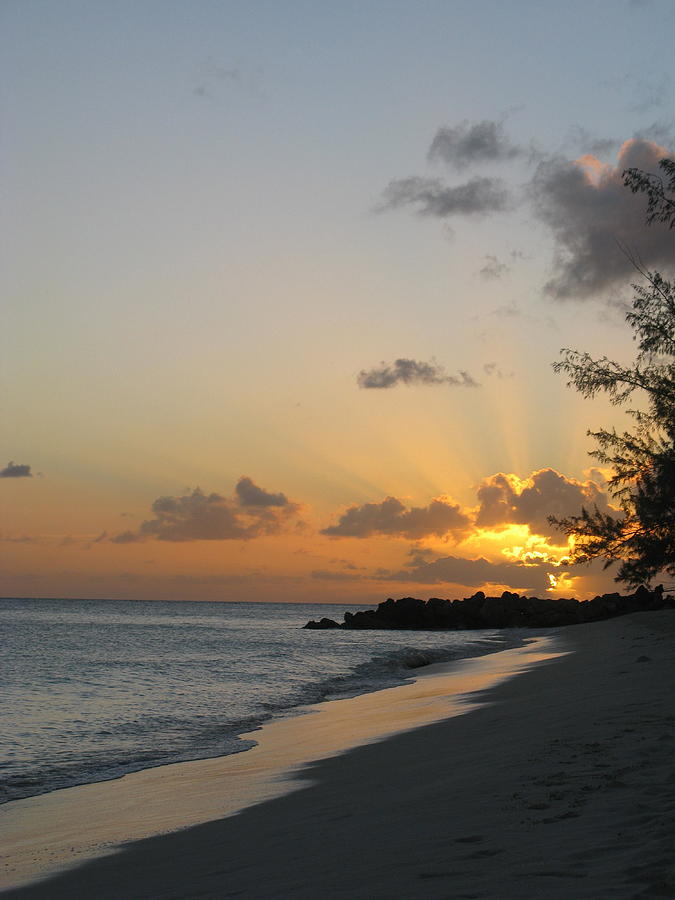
(94, 689)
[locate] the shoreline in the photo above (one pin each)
(557, 782)
(409, 663)
(165, 798)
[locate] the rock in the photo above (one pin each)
(363, 619)
(322, 623)
(511, 610)
(642, 595)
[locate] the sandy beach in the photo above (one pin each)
(558, 781)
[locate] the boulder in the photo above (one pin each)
(322, 623)
(511, 610)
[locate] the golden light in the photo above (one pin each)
(536, 549)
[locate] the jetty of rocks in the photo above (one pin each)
(508, 611)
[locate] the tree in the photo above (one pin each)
(660, 207)
(642, 539)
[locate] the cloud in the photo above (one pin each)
(411, 371)
(594, 220)
(492, 369)
(197, 516)
(466, 144)
(586, 142)
(494, 268)
(250, 494)
(641, 93)
(334, 575)
(257, 576)
(659, 132)
(507, 311)
(16, 470)
(23, 539)
(194, 517)
(433, 197)
(126, 537)
(439, 518)
(506, 499)
(651, 94)
(216, 78)
(474, 573)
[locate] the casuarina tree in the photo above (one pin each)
(642, 459)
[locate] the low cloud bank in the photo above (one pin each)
(475, 573)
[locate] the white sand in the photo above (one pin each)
(562, 786)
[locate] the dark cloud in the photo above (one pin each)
(15, 470)
(505, 499)
(596, 221)
(433, 197)
(197, 516)
(250, 494)
(391, 517)
(469, 144)
(411, 371)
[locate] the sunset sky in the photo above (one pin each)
(283, 283)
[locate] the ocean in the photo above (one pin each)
(94, 689)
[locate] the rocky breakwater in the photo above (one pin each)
(508, 611)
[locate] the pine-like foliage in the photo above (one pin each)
(660, 207)
(642, 540)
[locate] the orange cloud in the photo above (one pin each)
(506, 499)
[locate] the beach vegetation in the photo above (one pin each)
(642, 459)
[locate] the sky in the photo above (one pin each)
(283, 283)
